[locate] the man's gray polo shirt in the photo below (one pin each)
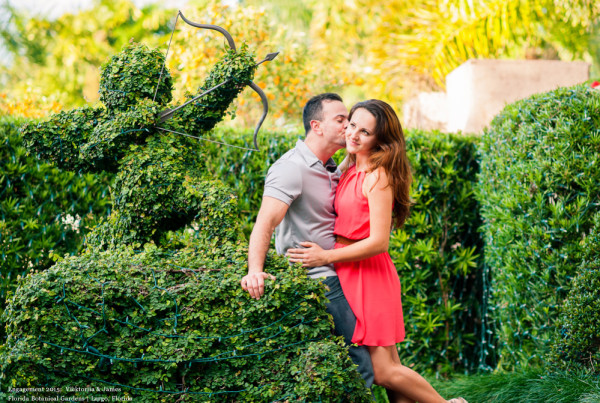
(300, 180)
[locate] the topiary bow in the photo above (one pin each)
(159, 174)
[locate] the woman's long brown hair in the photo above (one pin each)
(389, 154)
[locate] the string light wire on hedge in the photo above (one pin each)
(231, 354)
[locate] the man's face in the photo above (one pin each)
(334, 123)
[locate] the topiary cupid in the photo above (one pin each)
(156, 171)
(147, 312)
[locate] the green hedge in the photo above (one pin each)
(577, 339)
(437, 253)
(538, 191)
(164, 324)
(438, 256)
(44, 211)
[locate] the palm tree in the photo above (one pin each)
(435, 36)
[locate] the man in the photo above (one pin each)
(298, 201)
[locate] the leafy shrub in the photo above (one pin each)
(161, 324)
(538, 191)
(44, 211)
(577, 340)
(437, 255)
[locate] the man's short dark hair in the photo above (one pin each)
(313, 110)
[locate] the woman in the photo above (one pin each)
(372, 193)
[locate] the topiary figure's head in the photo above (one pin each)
(133, 74)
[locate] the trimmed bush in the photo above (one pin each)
(162, 325)
(538, 191)
(577, 341)
(45, 212)
(437, 253)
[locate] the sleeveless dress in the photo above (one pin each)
(371, 286)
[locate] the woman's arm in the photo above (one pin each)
(380, 198)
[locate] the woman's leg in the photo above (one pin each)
(394, 376)
(397, 397)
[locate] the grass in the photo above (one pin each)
(534, 385)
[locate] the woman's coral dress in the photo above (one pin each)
(371, 286)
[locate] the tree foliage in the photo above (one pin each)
(436, 36)
(61, 58)
(82, 41)
(361, 48)
(390, 49)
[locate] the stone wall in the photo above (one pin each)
(478, 89)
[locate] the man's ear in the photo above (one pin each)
(315, 126)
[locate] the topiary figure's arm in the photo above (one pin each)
(59, 138)
(236, 69)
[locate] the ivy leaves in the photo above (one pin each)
(153, 320)
(133, 74)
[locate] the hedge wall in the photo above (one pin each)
(538, 190)
(44, 211)
(438, 255)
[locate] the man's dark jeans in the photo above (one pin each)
(344, 323)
